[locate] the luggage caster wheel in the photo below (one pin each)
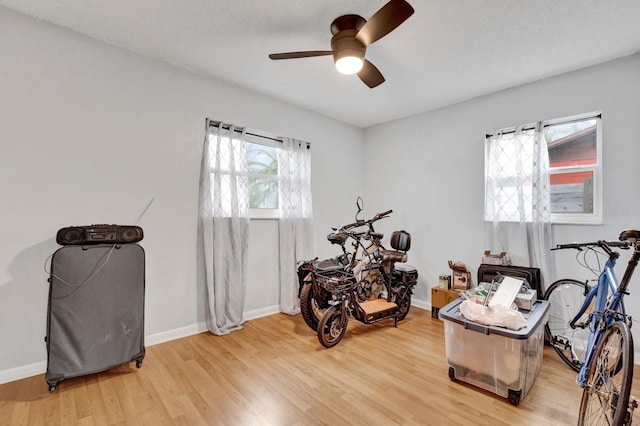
(514, 397)
(52, 388)
(452, 374)
(138, 363)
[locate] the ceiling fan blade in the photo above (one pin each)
(295, 55)
(385, 20)
(370, 75)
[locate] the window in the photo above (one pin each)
(262, 168)
(573, 146)
(575, 170)
(256, 175)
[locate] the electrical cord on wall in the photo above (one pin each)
(93, 274)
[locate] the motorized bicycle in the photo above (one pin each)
(371, 288)
(314, 300)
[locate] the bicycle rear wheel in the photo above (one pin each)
(313, 306)
(605, 398)
(565, 299)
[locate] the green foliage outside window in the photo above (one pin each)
(262, 165)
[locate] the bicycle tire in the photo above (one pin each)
(312, 306)
(402, 298)
(332, 327)
(605, 398)
(565, 298)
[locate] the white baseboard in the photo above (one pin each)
(176, 333)
(36, 368)
(262, 312)
(422, 304)
(179, 333)
(23, 371)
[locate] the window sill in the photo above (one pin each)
(262, 214)
(577, 222)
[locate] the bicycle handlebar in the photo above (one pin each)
(579, 246)
(362, 222)
(382, 215)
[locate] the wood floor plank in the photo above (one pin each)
(275, 372)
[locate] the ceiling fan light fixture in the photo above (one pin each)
(349, 64)
(350, 37)
(348, 52)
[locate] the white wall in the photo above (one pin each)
(430, 168)
(90, 133)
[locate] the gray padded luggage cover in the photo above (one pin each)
(96, 309)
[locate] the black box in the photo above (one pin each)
(486, 273)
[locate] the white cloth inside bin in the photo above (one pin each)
(497, 315)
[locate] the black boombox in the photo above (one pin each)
(99, 234)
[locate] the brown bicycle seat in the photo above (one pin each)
(629, 234)
(394, 256)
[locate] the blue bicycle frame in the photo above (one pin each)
(604, 314)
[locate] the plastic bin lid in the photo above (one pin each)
(534, 317)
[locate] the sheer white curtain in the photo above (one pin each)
(296, 218)
(540, 234)
(223, 228)
(518, 198)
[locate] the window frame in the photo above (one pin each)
(595, 218)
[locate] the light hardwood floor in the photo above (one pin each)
(275, 372)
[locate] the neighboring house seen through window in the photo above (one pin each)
(575, 169)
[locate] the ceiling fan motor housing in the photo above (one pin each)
(345, 44)
(347, 22)
(344, 41)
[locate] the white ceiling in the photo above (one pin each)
(448, 51)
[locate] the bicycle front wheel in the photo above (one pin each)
(605, 398)
(565, 299)
(332, 326)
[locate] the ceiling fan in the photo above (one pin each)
(351, 36)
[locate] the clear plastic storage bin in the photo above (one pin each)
(505, 362)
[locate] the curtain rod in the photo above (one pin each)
(213, 123)
(510, 130)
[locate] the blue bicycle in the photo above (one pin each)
(596, 341)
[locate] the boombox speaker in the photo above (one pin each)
(99, 234)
